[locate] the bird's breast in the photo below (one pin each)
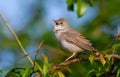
(58, 35)
(70, 47)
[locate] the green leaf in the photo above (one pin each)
(118, 73)
(60, 74)
(16, 72)
(12, 74)
(98, 74)
(46, 65)
(108, 57)
(45, 58)
(25, 72)
(81, 8)
(90, 2)
(91, 58)
(102, 60)
(1, 71)
(75, 1)
(71, 7)
(116, 46)
(39, 66)
(107, 67)
(90, 72)
(70, 4)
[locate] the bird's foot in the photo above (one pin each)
(70, 57)
(67, 59)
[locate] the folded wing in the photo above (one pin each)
(78, 40)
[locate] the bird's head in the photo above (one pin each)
(61, 25)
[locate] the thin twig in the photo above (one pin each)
(115, 56)
(17, 39)
(65, 63)
(38, 51)
(70, 61)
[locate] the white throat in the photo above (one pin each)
(59, 28)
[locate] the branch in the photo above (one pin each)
(115, 56)
(65, 63)
(17, 39)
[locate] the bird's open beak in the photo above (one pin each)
(55, 22)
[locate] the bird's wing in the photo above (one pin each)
(79, 40)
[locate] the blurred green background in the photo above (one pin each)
(32, 20)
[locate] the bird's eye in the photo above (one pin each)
(61, 23)
(57, 23)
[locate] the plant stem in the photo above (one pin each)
(17, 39)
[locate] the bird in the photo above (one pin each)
(70, 39)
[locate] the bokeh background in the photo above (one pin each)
(32, 20)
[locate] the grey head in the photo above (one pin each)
(61, 24)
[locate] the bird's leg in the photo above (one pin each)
(71, 56)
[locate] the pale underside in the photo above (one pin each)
(70, 47)
(74, 41)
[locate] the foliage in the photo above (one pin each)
(81, 6)
(37, 71)
(101, 31)
(0, 71)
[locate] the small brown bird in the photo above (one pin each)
(70, 39)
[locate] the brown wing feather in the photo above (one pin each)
(79, 40)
